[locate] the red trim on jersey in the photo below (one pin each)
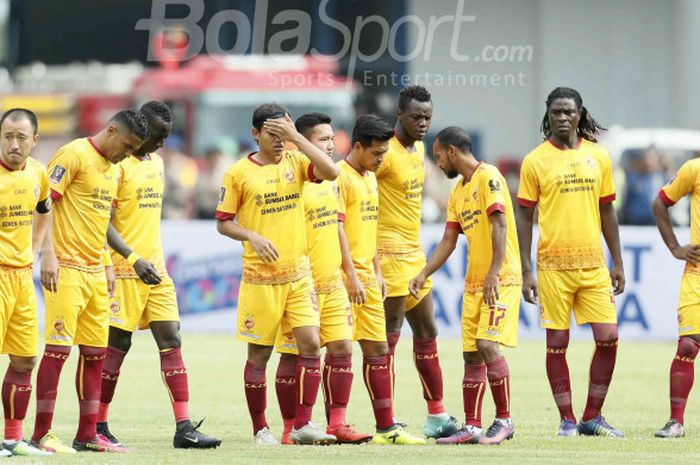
(9, 168)
(311, 175)
(341, 217)
(114, 203)
(224, 216)
(607, 199)
(561, 147)
(496, 207)
(403, 144)
(352, 166)
(250, 157)
(526, 203)
(95, 147)
(665, 199)
(453, 225)
(55, 195)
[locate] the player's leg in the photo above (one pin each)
(395, 311)
(682, 376)
(119, 345)
(556, 300)
(285, 378)
(62, 308)
(256, 391)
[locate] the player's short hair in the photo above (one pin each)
(306, 122)
(588, 128)
(134, 121)
(14, 114)
(407, 94)
(156, 110)
(267, 111)
(369, 128)
(458, 137)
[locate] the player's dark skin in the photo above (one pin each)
(165, 333)
(564, 116)
(411, 125)
(688, 253)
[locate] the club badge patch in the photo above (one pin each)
(57, 174)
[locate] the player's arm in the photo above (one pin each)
(264, 248)
(356, 291)
(145, 270)
(498, 250)
(40, 222)
(324, 168)
(611, 233)
(524, 221)
(49, 262)
(380, 276)
(689, 252)
(438, 258)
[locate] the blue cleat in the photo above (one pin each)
(567, 428)
(598, 427)
(440, 426)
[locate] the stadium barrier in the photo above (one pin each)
(206, 268)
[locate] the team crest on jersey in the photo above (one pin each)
(290, 176)
(475, 195)
(57, 174)
(249, 323)
(37, 190)
(494, 185)
(222, 194)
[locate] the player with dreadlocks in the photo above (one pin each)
(145, 294)
(569, 177)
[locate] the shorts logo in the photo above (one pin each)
(114, 307)
(222, 194)
(290, 176)
(249, 323)
(680, 318)
(59, 326)
(57, 174)
(289, 336)
(494, 185)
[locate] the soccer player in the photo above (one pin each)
(357, 211)
(77, 274)
(145, 294)
(682, 367)
(24, 189)
(481, 209)
(264, 193)
(569, 178)
(321, 211)
(400, 178)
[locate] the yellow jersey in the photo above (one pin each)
(568, 186)
(267, 199)
(20, 192)
(321, 209)
(137, 210)
(471, 203)
(400, 177)
(358, 206)
(83, 184)
(686, 181)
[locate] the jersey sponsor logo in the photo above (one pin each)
(494, 185)
(108, 377)
(57, 174)
(426, 356)
(56, 355)
(222, 194)
(178, 371)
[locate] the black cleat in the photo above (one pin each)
(187, 436)
(103, 429)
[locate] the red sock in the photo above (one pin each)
(16, 391)
(110, 376)
(255, 394)
(174, 374)
(682, 376)
(392, 340)
(499, 380)
(88, 382)
(558, 373)
(285, 385)
(425, 356)
(47, 387)
(376, 374)
(473, 389)
(602, 366)
(325, 373)
(308, 380)
(338, 382)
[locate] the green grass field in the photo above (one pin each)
(141, 416)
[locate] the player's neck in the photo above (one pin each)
(404, 139)
(466, 166)
(350, 160)
(263, 158)
(10, 166)
(572, 141)
(98, 140)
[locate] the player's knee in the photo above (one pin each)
(607, 333)
(169, 341)
(472, 358)
(558, 338)
(120, 340)
(309, 344)
(339, 347)
(425, 329)
(688, 347)
(488, 350)
(394, 322)
(23, 363)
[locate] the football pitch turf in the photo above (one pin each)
(141, 417)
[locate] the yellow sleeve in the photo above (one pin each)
(529, 189)
(229, 197)
(681, 185)
(64, 166)
(493, 191)
(452, 216)
(607, 189)
(342, 195)
(305, 169)
(44, 189)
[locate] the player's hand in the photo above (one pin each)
(264, 248)
(49, 272)
(617, 276)
(147, 272)
(356, 291)
(530, 292)
(281, 127)
(689, 253)
(111, 280)
(416, 285)
(382, 285)
(491, 289)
